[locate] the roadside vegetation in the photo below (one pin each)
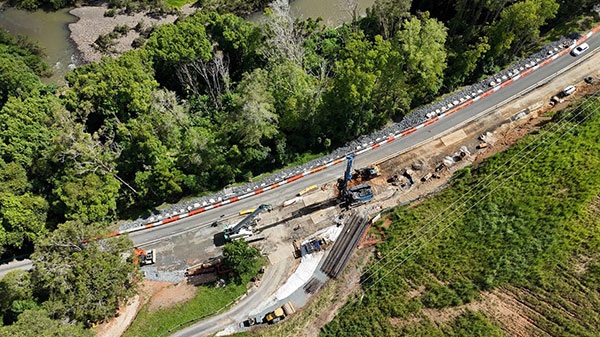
(206, 102)
(245, 263)
(517, 231)
(208, 301)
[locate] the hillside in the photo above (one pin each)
(511, 248)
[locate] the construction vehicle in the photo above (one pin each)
(356, 195)
(280, 313)
(143, 257)
(366, 173)
(243, 229)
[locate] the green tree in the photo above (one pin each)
(173, 45)
(254, 121)
(519, 28)
(297, 99)
(38, 323)
(89, 198)
(387, 17)
(22, 213)
(14, 286)
(238, 38)
(25, 128)
(421, 43)
(85, 281)
(114, 89)
(18, 80)
(241, 257)
(366, 90)
(151, 144)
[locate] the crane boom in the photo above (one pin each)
(246, 222)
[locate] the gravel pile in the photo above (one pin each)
(415, 118)
(152, 273)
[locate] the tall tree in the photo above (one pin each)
(84, 281)
(421, 43)
(241, 257)
(17, 79)
(25, 128)
(519, 28)
(22, 213)
(14, 287)
(174, 45)
(38, 323)
(113, 89)
(387, 17)
(254, 120)
(284, 36)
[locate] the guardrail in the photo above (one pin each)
(432, 114)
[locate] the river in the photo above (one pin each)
(333, 12)
(50, 29)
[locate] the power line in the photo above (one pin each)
(430, 225)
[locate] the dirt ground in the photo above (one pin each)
(158, 294)
(92, 23)
(171, 295)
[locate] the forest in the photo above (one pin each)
(209, 101)
(521, 228)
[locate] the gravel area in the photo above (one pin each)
(152, 273)
(92, 23)
(413, 119)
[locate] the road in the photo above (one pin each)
(273, 277)
(433, 131)
(444, 126)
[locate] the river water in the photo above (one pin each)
(333, 12)
(50, 29)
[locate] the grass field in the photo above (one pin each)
(511, 247)
(206, 302)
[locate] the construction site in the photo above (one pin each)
(325, 224)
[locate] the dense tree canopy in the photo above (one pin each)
(82, 281)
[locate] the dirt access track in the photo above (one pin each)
(503, 127)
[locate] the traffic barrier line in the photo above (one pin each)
(372, 147)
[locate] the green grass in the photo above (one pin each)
(532, 233)
(206, 302)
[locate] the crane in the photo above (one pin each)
(356, 195)
(242, 229)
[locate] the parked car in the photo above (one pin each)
(568, 90)
(580, 49)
